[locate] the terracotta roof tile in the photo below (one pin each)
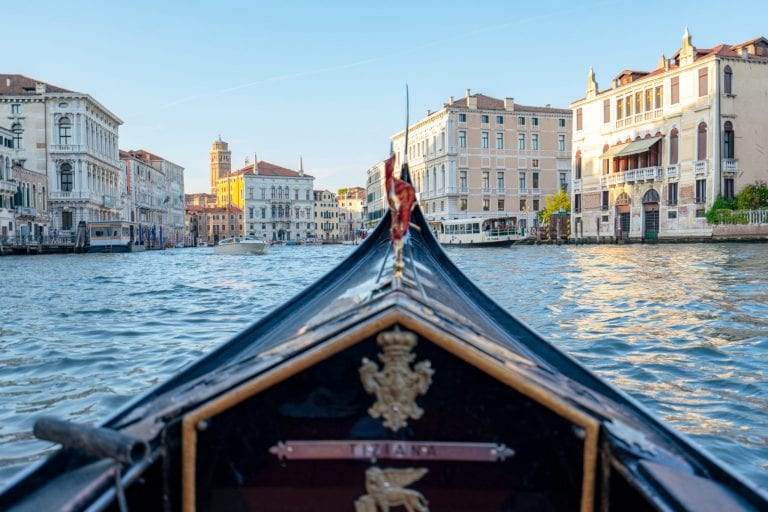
(488, 103)
(20, 84)
(268, 169)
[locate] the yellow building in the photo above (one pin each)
(480, 156)
(654, 150)
(326, 216)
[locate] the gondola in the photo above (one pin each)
(392, 383)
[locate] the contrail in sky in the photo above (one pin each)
(430, 44)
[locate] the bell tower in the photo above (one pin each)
(221, 162)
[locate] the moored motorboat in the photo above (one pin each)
(241, 245)
(478, 231)
(112, 236)
(393, 381)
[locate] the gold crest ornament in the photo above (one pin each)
(387, 488)
(396, 385)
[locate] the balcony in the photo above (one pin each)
(67, 148)
(536, 191)
(643, 174)
(7, 186)
(673, 171)
(23, 211)
(700, 167)
(730, 166)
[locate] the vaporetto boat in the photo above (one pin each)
(241, 245)
(478, 231)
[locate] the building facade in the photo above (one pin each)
(278, 202)
(352, 212)
(221, 163)
(326, 216)
(376, 198)
(8, 185)
(210, 225)
(486, 157)
(73, 140)
(654, 151)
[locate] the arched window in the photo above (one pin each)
(701, 142)
(65, 131)
(65, 177)
(17, 133)
(728, 140)
(651, 197)
(728, 80)
(578, 165)
(673, 141)
(623, 199)
(606, 161)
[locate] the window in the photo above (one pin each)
(672, 214)
(535, 205)
(500, 180)
(563, 182)
(535, 141)
(522, 182)
(728, 140)
(484, 119)
(486, 180)
(701, 142)
(578, 119)
(65, 131)
(672, 193)
(463, 180)
(523, 205)
(499, 140)
(534, 121)
(674, 93)
(728, 80)
(604, 200)
(463, 204)
(520, 141)
(499, 119)
(578, 165)
(65, 177)
(535, 180)
(673, 141)
(561, 123)
(462, 138)
(576, 203)
(606, 112)
(500, 205)
(442, 206)
(263, 193)
(15, 108)
(561, 142)
(648, 100)
(728, 190)
(521, 121)
(17, 135)
(263, 213)
(486, 205)
(703, 80)
(619, 108)
(535, 162)
(701, 191)
(462, 118)
(484, 140)
(659, 97)
(639, 102)
(627, 106)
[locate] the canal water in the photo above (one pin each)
(682, 328)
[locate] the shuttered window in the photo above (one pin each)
(674, 94)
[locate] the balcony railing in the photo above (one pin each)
(730, 166)
(7, 186)
(577, 184)
(673, 171)
(700, 167)
(603, 182)
(536, 191)
(67, 148)
(25, 211)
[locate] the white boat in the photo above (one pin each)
(241, 245)
(313, 241)
(113, 236)
(202, 243)
(478, 231)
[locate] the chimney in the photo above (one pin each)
(469, 92)
(450, 100)
(7, 82)
(509, 104)
(39, 88)
(255, 164)
(429, 112)
(301, 166)
(471, 100)
(548, 105)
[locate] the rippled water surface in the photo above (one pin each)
(680, 327)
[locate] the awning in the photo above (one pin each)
(639, 146)
(614, 151)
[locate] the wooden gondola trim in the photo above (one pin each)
(332, 346)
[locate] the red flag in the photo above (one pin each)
(401, 196)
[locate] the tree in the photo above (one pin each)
(553, 204)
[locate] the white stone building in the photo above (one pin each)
(376, 198)
(72, 139)
(7, 185)
(278, 202)
(351, 212)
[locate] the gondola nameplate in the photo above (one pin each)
(402, 450)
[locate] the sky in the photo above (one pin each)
(325, 80)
